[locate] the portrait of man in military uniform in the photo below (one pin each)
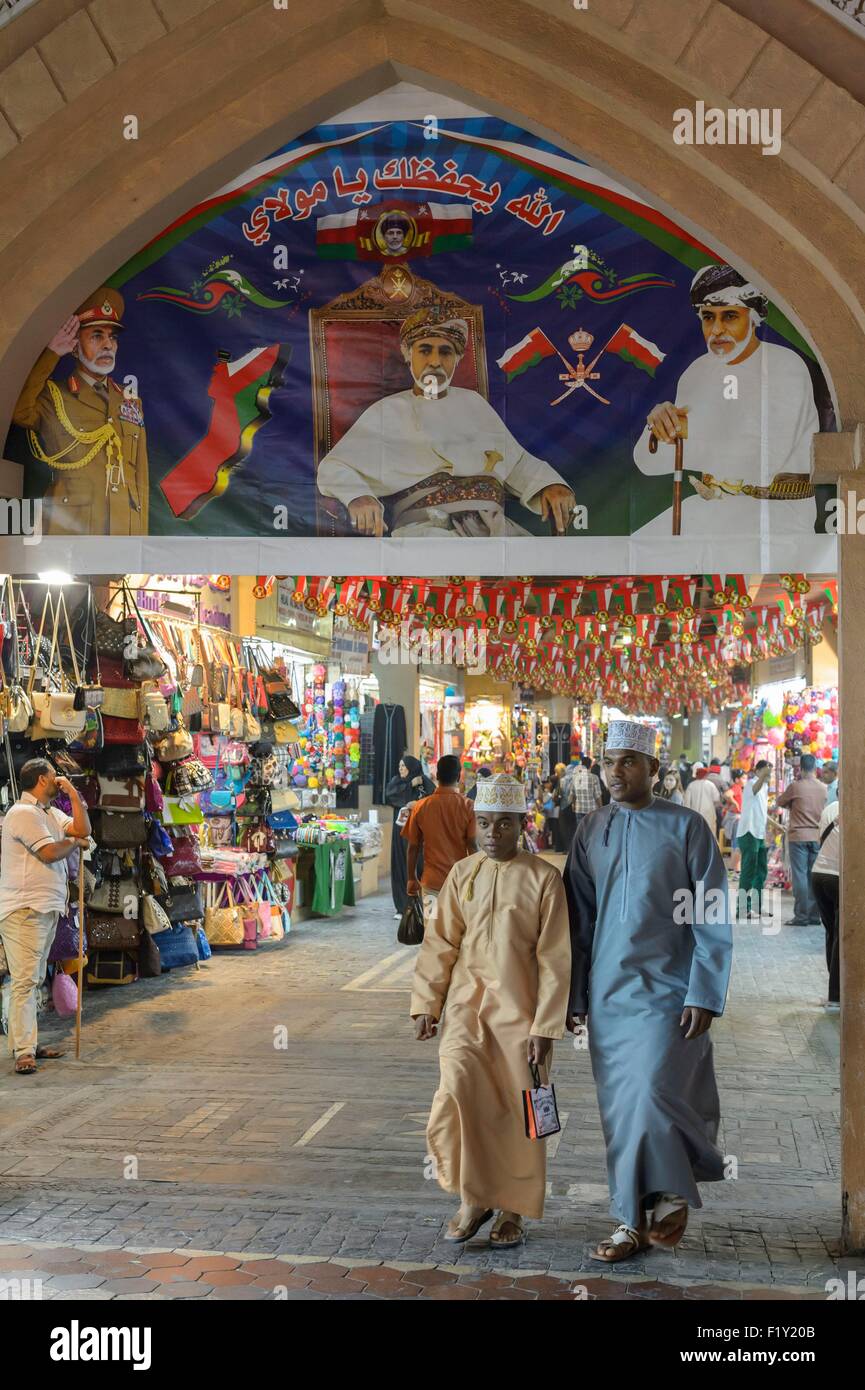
(87, 429)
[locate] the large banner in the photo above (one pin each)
(432, 329)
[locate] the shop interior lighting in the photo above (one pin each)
(55, 577)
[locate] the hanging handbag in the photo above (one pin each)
(153, 798)
(410, 929)
(280, 705)
(65, 943)
(19, 709)
(181, 904)
(149, 961)
(107, 931)
(202, 944)
(159, 842)
(111, 968)
(263, 770)
(121, 731)
(153, 915)
(184, 859)
(174, 745)
(153, 877)
(256, 903)
(121, 793)
(284, 799)
(121, 703)
(181, 810)
(156, 714)
(92, 738)
(141, 660)
(539, 1108)
(177, 947)
(116, 896)
(284, 731)
(220, 830)
(188, 778)
(123, 760)
(258, 838)
(251, 727)
(119, 829)
(280, 920)
(113, 635)
(223, 926)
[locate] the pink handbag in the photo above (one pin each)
(153, 799)
(184, 859)
(259, 907)
(64, 992)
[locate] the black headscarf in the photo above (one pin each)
(399, 790)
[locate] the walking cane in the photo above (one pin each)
(80, 953)
(678, 469)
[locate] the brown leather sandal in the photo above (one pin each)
(25, 1065)
(458, 1235)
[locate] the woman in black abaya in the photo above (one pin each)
(408, 786)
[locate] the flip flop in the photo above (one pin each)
(464, 1233)
(502, 1242)
(625, 1241)
(26, 1065)
(50, 1052)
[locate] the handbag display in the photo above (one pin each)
(119, 829)
(19, 709)
(184, 859)
(121, 703)
(122, 760)
(55, 715)
(120, 793)
(174, 745)
(284, 731)
(177, 947)
(122, 731)
(189, 777)
(219, 830)
(284, 799)
(108, 967)
(156, 713)
(181, 810)
(153, 798)
(410, 929)
(113, 634)
(258, 838)
(159, 842)
(153, 915)
(223, 926)
(117, 896)
(111, 932)
(181, 904)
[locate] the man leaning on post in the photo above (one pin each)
(37, 841)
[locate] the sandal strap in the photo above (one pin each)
(667, 1205)
(623, 1235)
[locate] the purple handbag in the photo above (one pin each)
(153, 798)
(64, 992)
(65, 943)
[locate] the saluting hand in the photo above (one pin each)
(65, 338)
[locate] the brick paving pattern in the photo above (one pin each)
(255, 1129)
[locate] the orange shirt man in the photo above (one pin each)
(444, 826)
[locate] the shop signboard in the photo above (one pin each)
(349, 650)
(442, 329)
(295, 616)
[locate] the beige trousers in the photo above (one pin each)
(27, 937)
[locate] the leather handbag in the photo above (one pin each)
(122, 760)
(149, 962)
(19, 709)
(220, 717)
(116, 896)
(174, 745)
(121, 703)
(153, 798)
(284, 799)
(119, 829)
(189, 777)
(220, 830)
(153, 915)
(115, 730)
(284, 731)
(112, 674)
(121, 793)
(185, 859)
(177, 947)
(223, 925)
(159, 841)
(258, 838)
(112, 932)
(156, 712)
(113, 634)
(251, 727)
(55, 715)
(65, 943)
(411, 925)
(181, 904)
(111, 968)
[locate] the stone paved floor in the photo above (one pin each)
(268, 1112)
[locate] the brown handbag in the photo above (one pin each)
(119, 829)
(112, 933)
(174, 746)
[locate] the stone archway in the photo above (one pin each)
(213, 85)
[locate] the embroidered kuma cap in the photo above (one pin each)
(627, 734)
(501, 793)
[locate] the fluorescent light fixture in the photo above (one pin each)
(55, 577)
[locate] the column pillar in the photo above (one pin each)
(840, 458)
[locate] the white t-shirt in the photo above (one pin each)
(24, 880)
(755, 807)
(827, 861)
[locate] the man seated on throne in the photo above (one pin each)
(438, 454)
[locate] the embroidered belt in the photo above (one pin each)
(453, 494)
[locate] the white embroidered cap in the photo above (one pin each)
(626, 733)
(501, 793)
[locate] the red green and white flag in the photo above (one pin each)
(430, 228)
(240, 391)
(628, 345)
(528, 352)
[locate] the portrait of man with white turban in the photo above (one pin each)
(746, 411)
(435, 457)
